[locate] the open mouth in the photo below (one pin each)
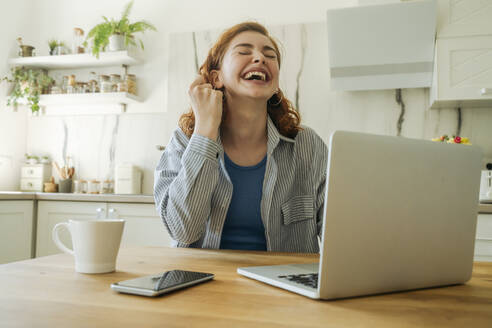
(256, 75)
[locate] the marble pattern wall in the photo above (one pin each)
(304, 78)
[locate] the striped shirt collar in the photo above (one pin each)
(273, 135)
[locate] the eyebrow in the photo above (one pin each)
(249, 45)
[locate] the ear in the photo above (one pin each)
(216, 79)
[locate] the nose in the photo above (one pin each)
(259, 57)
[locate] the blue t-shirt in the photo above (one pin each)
(243, 228)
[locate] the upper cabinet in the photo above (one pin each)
(463, 72)
(463, 57)
(458, 18)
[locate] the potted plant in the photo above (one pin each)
(117, 34)
(30, 159)
(29, 84)
(45, 160)
(56, 47)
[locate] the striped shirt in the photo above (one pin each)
(192, 190)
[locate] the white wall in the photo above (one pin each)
(13, 125)
(90, 137)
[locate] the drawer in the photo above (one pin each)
(484, 226)
(32, 184)
(483, 248)
(32, 172)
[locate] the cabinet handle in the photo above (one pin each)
(486, 92)
(29, 184)
(100, 213)
(31, 171)
(112, 213)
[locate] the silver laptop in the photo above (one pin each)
(399, 214)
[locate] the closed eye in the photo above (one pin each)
(249, 53)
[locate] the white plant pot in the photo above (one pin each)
(116, 43)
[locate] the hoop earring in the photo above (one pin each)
(277, 95)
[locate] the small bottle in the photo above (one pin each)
(94, 186)
(131, 83)
(72, 84)
(115, 79)
(83, 186)
(104, 83)
(64, 85)
(78, 40)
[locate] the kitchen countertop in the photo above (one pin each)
(20, 195)
(149, 199)
(485, 208)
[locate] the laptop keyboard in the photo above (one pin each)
(306, 279)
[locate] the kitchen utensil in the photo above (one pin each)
(51, 186)
(59, 170)
(65, 185)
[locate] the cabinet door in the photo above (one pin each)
(143, 226)
(464, 68)
(483, 243)
(463, 18)
(16, 230)
(53, 212)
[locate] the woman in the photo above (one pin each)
(240, 172)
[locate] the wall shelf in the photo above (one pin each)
(122, 98)
(85, 103)
(115, 58)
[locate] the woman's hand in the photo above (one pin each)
(207, 107)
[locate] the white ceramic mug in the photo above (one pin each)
(95, 243)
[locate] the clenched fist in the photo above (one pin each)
(207, 107)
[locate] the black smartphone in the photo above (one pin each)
(161, 283)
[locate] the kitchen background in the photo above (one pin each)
(97, 142)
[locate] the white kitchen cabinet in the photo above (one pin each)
(16, 230)
(463, 55)
(483, 242)
(50, 213)
(143, 226)
(464, 18)
(462, 72)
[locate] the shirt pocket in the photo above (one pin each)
(298, 208)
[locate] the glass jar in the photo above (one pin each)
(94, 187)
(77, 41)
(115, 79)
(55, 90)
(64, 85)
(80, 87)
(72, 84)
(92, 86)
(121, 87)
(83, 186)
(131, 83)
(107, 187)
(104, 83)
(77, 187)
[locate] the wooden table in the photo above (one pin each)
(47, 292)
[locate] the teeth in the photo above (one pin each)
(250, 74)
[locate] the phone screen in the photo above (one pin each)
(164, 280)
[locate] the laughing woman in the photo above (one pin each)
(240, 172)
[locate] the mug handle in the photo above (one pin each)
(57, 240)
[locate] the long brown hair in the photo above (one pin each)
(280, 109)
